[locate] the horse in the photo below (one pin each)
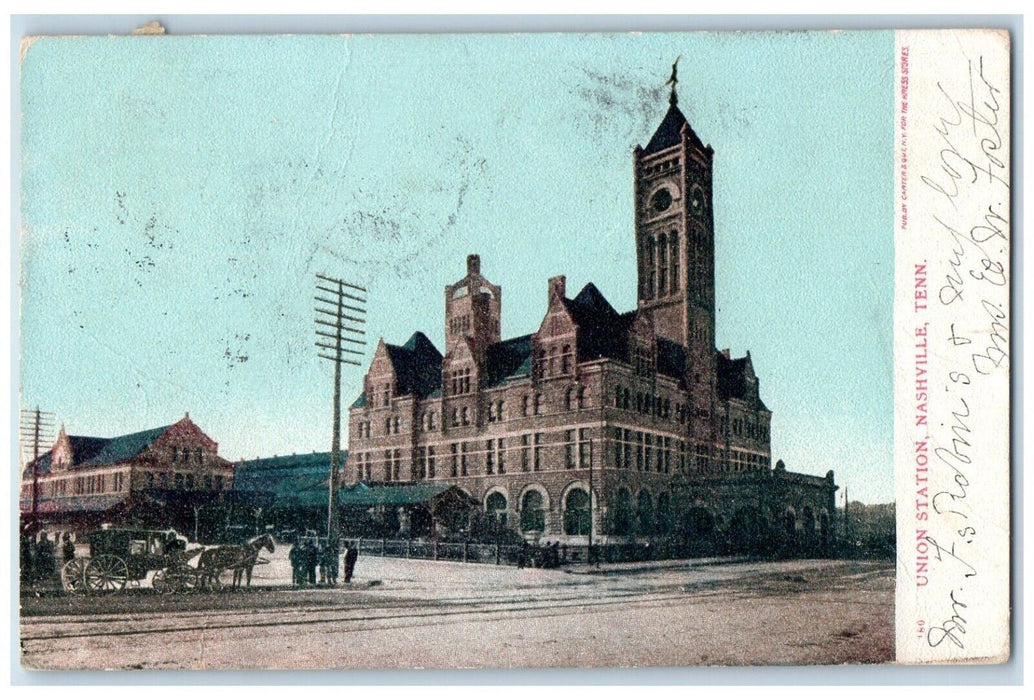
(239, 557)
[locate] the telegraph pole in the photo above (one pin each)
(336, 300)
(590, 557)
(37, 428)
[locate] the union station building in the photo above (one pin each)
(669, 435)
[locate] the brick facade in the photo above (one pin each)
(88, 480)
(639, 403)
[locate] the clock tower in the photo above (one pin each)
(674, 235)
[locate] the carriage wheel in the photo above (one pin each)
(183, 579)
(160, 583)
(106, 573)
(73, 575)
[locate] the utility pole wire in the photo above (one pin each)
(330, 313)
(36, 426)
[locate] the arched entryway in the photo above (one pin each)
(622, 521)
(577, 512)
(644, 513)
(533, 511)
(495, 509)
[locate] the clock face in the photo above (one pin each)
(661, 200)
(696, 199)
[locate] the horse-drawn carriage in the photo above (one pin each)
(121, 557)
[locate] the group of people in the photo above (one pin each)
(38, 558)
(311, 554)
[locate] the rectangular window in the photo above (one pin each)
(569, 449)
(628, 449)
(648, 461)
(501, 457)
(489, 457)
(430, 462)
(387, 465)
(525, 402)
(639, 451)
(583, 448)
(397, 464)
(525, 452)
(538, 452)
(538, 404)
(454, 459)
(463, 459)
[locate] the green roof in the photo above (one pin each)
(391, 495)
(293, 480)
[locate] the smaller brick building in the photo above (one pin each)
(170, 476)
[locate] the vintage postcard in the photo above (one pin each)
(514, 350)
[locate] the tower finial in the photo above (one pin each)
(673, 81)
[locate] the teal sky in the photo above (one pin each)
(180, 193)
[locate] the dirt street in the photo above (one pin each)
(426, 614)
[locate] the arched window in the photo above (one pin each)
(495, 507)
(576, 512)
(651, 268)
(645, 513)
(664, 514)
(673, 244)
(623, 513)
(809, 520)
(790, 521)
(533, 513)
(662, 265)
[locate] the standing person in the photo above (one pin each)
(351, 555)
(310, 561)
(321, 558)
(67, 548)
(26, 552)
(295, 556)
(44, 558)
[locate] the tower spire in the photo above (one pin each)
(673, 99)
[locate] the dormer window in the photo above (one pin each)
(459, 381)
(565, 360)
(642, 360)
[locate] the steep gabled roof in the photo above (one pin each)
(602, 331)
(90, 452)
(509, 358)
(669, 133)
(732, 380)
(418, 366)
(124, 447)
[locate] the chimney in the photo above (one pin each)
(558, 286)
(473, 264)
(726, 355)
